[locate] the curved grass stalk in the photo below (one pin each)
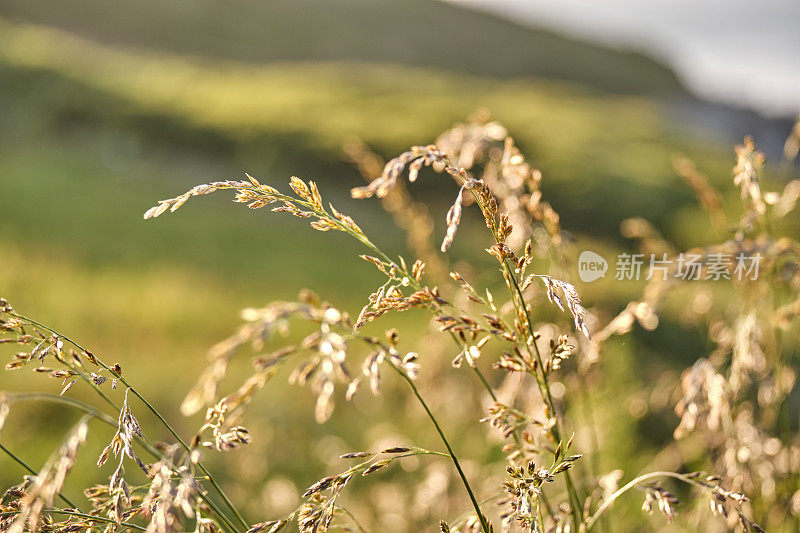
(486, 500)
(541, 376)
(257, 196)
(625, 488)
(152, 409)
(361, 237)
(47, 483)
(484, 523)
(77, 404)
(450, 453)
(427, 156)
(33, 472)
(346, 511)
(103, 417)
(95, 518)
(337, 482)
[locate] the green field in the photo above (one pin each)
(103, 113)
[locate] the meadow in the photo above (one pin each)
(96, 131)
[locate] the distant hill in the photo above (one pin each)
(422, 33)
(606, 156)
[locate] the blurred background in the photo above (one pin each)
(106, 108)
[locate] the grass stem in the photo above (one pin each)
(484, 524)
(155, 412)
(33, 472)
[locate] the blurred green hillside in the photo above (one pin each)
(106, 108)
(422, 33)
(598, 151)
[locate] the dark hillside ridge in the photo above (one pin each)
(424, 33)
(728, 125)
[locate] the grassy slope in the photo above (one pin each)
(423, 33)
(605, 157)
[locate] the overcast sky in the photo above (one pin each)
(745, 52)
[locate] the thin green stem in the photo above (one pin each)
(99, 415)
(77, 404)
(346, 511)
(541, 376)
(464, 515)
(202, 468)
(362, 238)
(95, 518)
(33, 472)
(155, 412)
(544, 388)
(610, 500)
(574, 504)
(415, 284)
(481, 517)
(369, 244)
(142, 440)
(485, 383)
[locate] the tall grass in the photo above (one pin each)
(734, 403)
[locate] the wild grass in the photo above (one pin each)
(548, 471)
